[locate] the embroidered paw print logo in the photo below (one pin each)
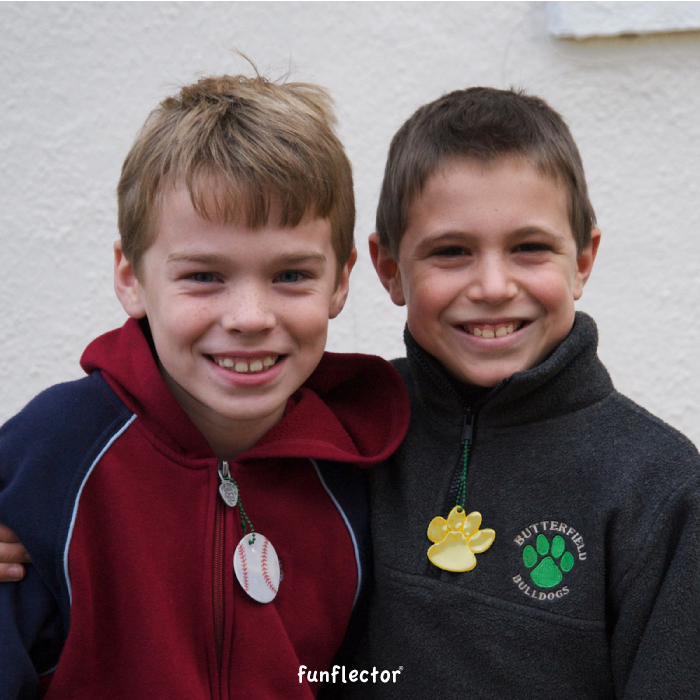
(548, 572)
(457, 540)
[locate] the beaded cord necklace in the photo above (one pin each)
(255, 560)
(457, 539)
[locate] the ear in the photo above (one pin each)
(584, 263)
(387, 269)
(340, 294)
(126, 284)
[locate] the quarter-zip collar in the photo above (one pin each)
(552, 388)
(352, 409)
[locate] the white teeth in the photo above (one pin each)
(489, 333)
(244, 367)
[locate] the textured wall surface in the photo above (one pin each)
(78, 80)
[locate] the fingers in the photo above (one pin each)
(12, 556)
(11, 572)
(6, 535)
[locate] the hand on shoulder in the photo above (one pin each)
(12, 556)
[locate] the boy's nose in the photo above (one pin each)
(491, 282)
(246, 310)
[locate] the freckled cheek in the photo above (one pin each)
(191, 316)
(203, 316)
(175, 337)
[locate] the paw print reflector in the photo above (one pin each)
(457, 540)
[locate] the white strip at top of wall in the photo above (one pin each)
(582, 20)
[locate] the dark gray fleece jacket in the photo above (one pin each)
(591, 588)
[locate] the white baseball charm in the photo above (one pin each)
(257, 567)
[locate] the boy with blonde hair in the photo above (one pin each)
(191, 507)
(537, 535)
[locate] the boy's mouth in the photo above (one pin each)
(247, 365)
(493, 330)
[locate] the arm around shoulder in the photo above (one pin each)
(45, 454)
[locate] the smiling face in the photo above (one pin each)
(488, 268)
(239, 316)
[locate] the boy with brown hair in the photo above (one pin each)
(191, 506)
(584, 581)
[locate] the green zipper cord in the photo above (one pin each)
(467, 437)
(462, 490)
(246, 525)
(245, 520)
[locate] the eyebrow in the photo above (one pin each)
(200, 258)
(535, 231)
(301, 258)
(216, 259)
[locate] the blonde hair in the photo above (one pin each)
(240, 145)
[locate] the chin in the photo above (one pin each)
(485, 383)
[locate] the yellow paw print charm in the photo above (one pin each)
(457, 540)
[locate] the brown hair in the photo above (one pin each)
(481, 124)
(240, 145)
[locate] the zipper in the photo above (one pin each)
(218, 592)
(470, 415)
(227, 498)
(467, 444)
(453, 492)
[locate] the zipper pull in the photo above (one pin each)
(467, 438)
(468, 429)
(227, 488)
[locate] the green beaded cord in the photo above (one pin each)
(462, 490)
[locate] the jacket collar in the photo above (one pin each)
(571, 378)
(353, 408)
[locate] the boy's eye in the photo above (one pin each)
(202, 277)
(531, 247)
(451, 251)
(289, 276)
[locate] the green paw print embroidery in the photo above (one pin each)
(548, 573)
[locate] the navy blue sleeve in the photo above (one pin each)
(31, 635)
(46, 453)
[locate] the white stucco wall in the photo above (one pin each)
(77, 80)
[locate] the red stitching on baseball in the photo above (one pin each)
(265, 572)
(244, 566)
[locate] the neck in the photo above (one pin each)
(230, 440)
(228, 437)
